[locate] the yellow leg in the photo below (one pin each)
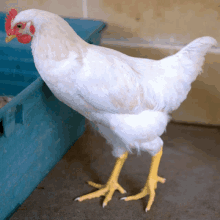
(109, 188)
(151, 183)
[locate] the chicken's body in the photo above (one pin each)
(114, 100)
(128, 98)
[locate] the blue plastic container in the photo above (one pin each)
(36, 129)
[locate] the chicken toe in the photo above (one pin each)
(149, 188)
(109, 188)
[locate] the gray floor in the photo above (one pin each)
(190, 163)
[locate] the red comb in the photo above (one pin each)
(12, 14)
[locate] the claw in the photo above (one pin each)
(77, 199)
(161, 180)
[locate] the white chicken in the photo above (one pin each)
(129, 99)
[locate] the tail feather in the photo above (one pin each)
(192, 57)
(184, 67)
(197, 49)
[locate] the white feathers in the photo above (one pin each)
(128, 98)
(133, 131)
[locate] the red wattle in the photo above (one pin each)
(24, 39)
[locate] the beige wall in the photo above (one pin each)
(167, 23)
(72, 8)
(176, 20)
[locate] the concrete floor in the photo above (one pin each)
(190, 163)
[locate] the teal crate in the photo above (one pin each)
(36, 129)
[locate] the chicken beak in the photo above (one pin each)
(9, 38)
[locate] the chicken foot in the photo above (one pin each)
(151, 183)
(112, 184)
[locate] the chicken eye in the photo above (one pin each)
(19, 25)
